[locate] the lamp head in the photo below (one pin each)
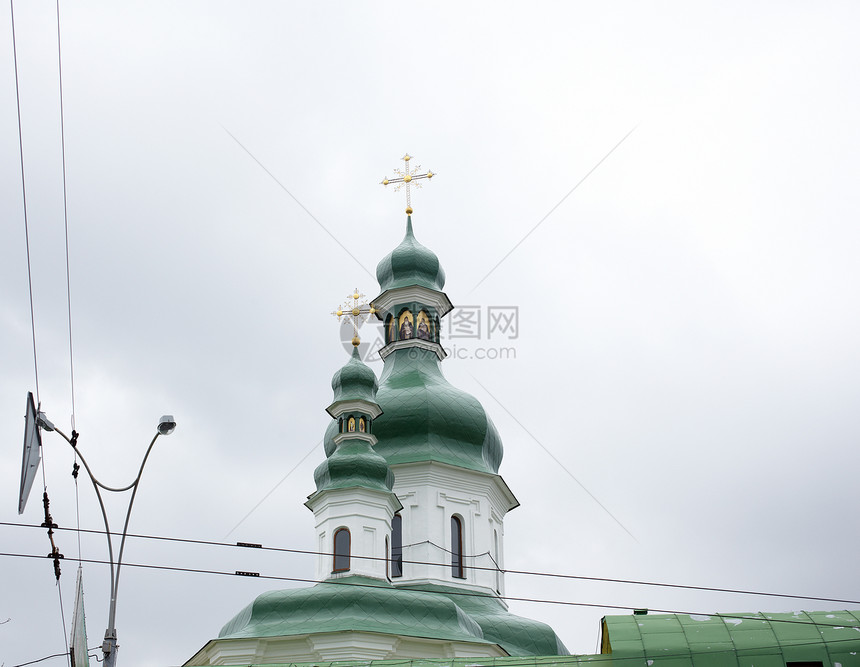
(166, 425)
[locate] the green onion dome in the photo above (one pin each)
(355, 381)
(427, 419)
(354, 463)
(409, 264)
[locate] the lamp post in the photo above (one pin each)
(166, 426)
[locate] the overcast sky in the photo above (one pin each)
(688, 316)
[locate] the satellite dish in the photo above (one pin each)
(32, 452)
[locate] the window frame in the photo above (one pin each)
(397, 546)
(457, 568)
(336, 555)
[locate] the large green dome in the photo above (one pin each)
(409, 264)
(353, 603)
(425, 418)
(370, 605)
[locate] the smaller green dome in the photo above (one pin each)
(355, 381)
(409, 264)
(354, 463)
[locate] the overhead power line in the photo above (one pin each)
(612, 580)
(461, 593)
(24, 197)
(65, 212)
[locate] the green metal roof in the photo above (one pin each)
(517, 635)
(427, 419)
(410, 263)
(353, 603)
(355, 381)
(372, 605)
(735, 640)
(354, 463)
(503, 661)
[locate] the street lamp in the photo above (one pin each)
(166, 426)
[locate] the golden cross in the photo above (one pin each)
(357, 311)
(407, 177)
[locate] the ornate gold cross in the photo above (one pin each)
(407, 177)
(356, 309)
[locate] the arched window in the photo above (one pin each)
(390, 329)
(387, 575)
(362, 425)
(351, 425)
(340, 424)
(341, 550)
(397, 546)
(497, 563)
(457, 547)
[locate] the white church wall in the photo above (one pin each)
(367, 515)
(431, 493)
(327, 647)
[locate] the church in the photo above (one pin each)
(409, 513)
(409, 509)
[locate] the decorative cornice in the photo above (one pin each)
(338, 408)
(355, 435)
(470, 481)
(351, 497)
(412, 294)
(428, 345)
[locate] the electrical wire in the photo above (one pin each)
(63, 618)
(48, 657)
(66, 213)
(709, 589)
(30, 282)
(68, 269)
(33, 662)
(459, 593)
(68, 291)
(24, 198)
